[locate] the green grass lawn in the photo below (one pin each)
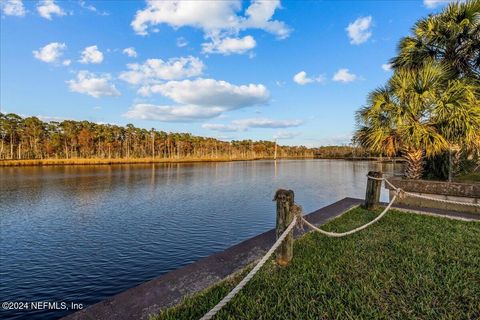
(406, 266)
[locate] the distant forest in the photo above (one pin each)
(32, 138)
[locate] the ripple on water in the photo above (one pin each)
(85, 233)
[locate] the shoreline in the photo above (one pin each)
(80, 161)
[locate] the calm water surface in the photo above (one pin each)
(84, 233)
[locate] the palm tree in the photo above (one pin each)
(451, 37)
(419, 112)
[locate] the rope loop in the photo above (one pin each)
(400, 193)
(298, 213)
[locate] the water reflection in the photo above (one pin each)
(83, 233)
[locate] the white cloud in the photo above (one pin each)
(205, 15)
(359, 31)
(181, 42)
(91, 55)
(184, 113)
(52, 118)
(51, 53)
(387, 66)
(301, 78)
(157, 69)
(259, 15)
(227, 46)
(130, 51)
(222, 127)
(213, 17)
(435, 3)
(343, 139)
(344, 75)
(284, 135)
(13, 8)
(47, 8)
(245, 124)
(93, 85)
(66, 62)
(90, 7)
(200, 99)
(266, 123)
(210, 92)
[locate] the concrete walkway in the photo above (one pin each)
(441, 213)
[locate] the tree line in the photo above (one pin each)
(342, 152)
(32, 138)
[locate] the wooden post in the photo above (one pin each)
(285, 201)
(372, 195)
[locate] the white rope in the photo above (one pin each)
(398, 191)
(442, 200)
(210, 314)
(342, 234)
(424, 197)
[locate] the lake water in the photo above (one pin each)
(84, 233)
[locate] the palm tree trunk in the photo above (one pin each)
(414, 164)
(450, 165)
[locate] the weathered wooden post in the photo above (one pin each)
(372, 195)
(285, 202)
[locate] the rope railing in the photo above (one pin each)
(343, 234)
(210, 314)
(299, 220)
(402, 192)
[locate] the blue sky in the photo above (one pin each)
(295, 70)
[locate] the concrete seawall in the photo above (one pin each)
(167, 290)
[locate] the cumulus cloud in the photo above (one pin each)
(212, 16)
(186, 113)
(301, 78)
(359, 31)
(199, 99)
(210, 92)
(387, 66)
(93, 85)
(91, 55)
(344, 75)
(157, 69)
(51, 53)
(227, 46)
(221, 21)
(205, 15)
(130, 51)
(435, 3)
(13, 8)
(47, 8)
(259, 15)
(245, 124)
